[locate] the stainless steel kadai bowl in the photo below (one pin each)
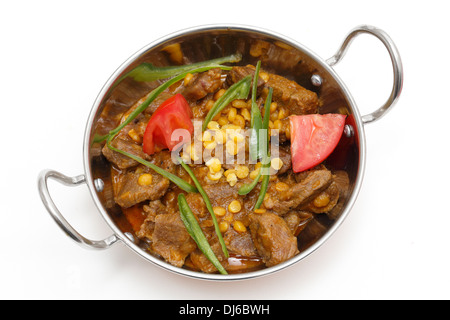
(295, 62)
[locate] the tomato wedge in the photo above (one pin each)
(174, 113)
(313, 138)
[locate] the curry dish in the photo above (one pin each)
(224, 200)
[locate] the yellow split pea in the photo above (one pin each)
(234, 206)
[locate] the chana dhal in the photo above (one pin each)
(222, 166)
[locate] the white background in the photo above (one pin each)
(55, 57)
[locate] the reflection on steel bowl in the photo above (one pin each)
(224, 152)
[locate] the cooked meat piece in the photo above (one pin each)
(299, 193)
(152, 209)
(129, 140)
(293, 96)
(299, 177)
(202, 84)
(201, 262)
(286, 92)
(343, 184)
(238, 73)
(130, 192)
(163, 159)
(297, 221)
(201, 173)
(240, 243)
(197, 204)
(285, 156)
(127, 145)
(219, 192)
(325, 201)
(197, 257)
(222, 194)
(171, 240)
(272, 238)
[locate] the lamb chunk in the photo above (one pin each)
(171, 240)
(220, 194)
(297, 221)
(119, 160)
(313, 183)
(130, 192)
(325, 201)
(203, 84)
(272, 237)
(299, 177)
(219, 191)
(163, 159)
(200, 261)
(152, 210)
(286, 92)
(197, 204)
(240, 243)
(238, 73)
(285, 156)
(343, 184)
(293, 96)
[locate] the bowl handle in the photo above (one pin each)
(59, 218)
(396, 64)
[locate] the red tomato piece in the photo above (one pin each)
(174, 113)
(313, 138)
